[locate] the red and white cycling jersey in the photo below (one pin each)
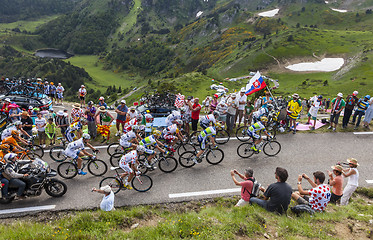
(128, 126)
(130, 157)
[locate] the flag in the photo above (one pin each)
(179, 101)
(255, 84)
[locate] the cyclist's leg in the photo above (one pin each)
(127, 170)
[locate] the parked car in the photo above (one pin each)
(42, 101)
(156, 111)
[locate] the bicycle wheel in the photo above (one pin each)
(142, 183)
(114, 183)
(114, 159)
(272, 148)
(215, 156)
(186, 147)
(38, 150)
(244, 150)
(222, 136)
(57, 153)
(114, 148)
(67, 170)
(193, 138)
(241, 134)
(32, 155)
(167, 164)
(97, 167)
(186, 159)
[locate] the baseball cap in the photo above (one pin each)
(123, 101)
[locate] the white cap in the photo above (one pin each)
(82, 86)
(106, 188)
(123, 101)
(101, 98)
(60, 113)
(355, 93)
(243, 89)
(7, 99)
(340, 94)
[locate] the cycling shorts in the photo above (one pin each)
(125, 166)
(149, 151)
(202, 142)
(254, 135)
(74, 154)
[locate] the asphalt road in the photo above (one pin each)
(300, 153)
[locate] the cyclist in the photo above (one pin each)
(172, 118)
(168, 133)
(152, 140)
(128, 139)
(75, 127)
(4, 149)
(75, 150)
(263, 111)
(13, 141)
(256, 127)
(211, 118)
(208, 133)
(16, 126)
(127, 163)
(133, 122)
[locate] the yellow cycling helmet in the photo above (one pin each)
(157, 133)
(263, 119)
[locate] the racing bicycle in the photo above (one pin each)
(213, 156)
(270, 147)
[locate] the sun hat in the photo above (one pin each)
(101, 98)
(132, 108)
(340, 94)
(353, 161)
(337, 167)
(295, 95)
(76, 105)
(233, 95)
(106, 189)
(82, 86)
(102, 109)
(243, 90)
(123, 101)
(7, 99)
(60, 113)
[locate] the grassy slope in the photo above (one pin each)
(30, 26)
(216, 219)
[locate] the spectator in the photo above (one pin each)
(246, 185)
(101, 102)
(312, 113)
(62, 122)
(121, 111)
(50, 114)
(91, 112)
(294, 108)
(213, 103)
(187, 117)
(30, 111)
(222, 109)
(352, 182)
(46, 88)
(132, 113)
(248, 113)
(206, 104)
(82, 94)
(337, 106)
(351, 101)
(196, 108)
(362, 106)
(60, 89)
(327, 105)
(267, 99)
(26, 123)
(368, 114)
(5, 107)
(40, 124)
(50, 131)
(52, 93)
(231, 111)
(242, 99)
(318, 197)
(336, 183)
(14, 113)
(76, 113)
(105, 119)
(258, 103)
(279, 194)
(107, 203)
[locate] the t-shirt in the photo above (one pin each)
(102, 104)
(15, 111)
(50, 128)
(82, 92)
(195, 114)
(295, 107)
(315, 108)
(39, 124)
(279, 195)
(241, 106)
(338, 104)
(93, 111)
(222, 108)
(337, 188)
(107, 203)
(232, 103)
(247, 187)
(265, 101)
(122, 109)
(319, 197)
(249, 109)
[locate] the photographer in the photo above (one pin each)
(336, 183)
(246, 186)
(352, 174)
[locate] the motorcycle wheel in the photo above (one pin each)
(55, 188)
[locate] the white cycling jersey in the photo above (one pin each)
(208, 118)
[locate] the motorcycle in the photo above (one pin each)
(39, 176)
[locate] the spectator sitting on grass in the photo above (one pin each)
(278, 195)
(246, 186)
(318, 197)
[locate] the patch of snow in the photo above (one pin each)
(199, 14)
(271, 13)
(326, 2)
(325, 65)
(338, 10)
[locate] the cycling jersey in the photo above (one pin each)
(169, 131)
(261, 112)
(172, 117)
(210, 131)
(147, 142)
(253, 129)
(72, 150)
(8, 132)
(128, 125)
(75, 126)
(10, 141)
(125, 160)
(206, 120)
(294, 106)
(126, 138)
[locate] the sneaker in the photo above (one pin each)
(289, 129)
(103, 140)
(294, 131)
(117, 134)
(254, 148)
(128, 187)
(172, 149)
(80, 172)
(195, 160)
(312, 128)
(333, 129)
(147, 164)
(330, 127)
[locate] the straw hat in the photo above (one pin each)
(102, 109)
(337, 167)
(76, 105)
(295, 95)
(340, 95)
(353, 161)
(24, 113)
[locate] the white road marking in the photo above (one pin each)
(27, 209)
(192, 194)
(369, 181)
(362, 133)
(99, 147)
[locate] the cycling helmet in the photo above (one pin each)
(135, 127)
(263, 119)
(179, 122)
(140, 148)
(216, 113)
(15, 133)
(157, 133)
(4, 147)
(269, 106)
(367, 96)
(141, 127)
(139, 117)
(90, 103)
(9, 156)
(86, 136)
(17, 123)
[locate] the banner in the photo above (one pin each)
(255, 84)
(179, 101)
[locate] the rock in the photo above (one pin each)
(134, 226)
(266, 236)
(371, 221)
(276, 234)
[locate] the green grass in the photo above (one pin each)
(208, 219)
(29, 26)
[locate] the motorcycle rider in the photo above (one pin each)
(11, 173)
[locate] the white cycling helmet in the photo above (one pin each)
(9, 156)
(17, 123)
(86, 136)
(179, 122)
(135, 127)
(140, 148)
(142, 127)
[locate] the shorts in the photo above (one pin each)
(125, 166)
(202, 142)
(312, 117)
(149, 151)
(72, 154)
(254, 135)
(304, 200)
(121, 121)
(82, 98)
(42, 135)
(59, 95)
(52, 95)
(169, 137)
(222, 118)
(334, 118)
(242, 202)
(204, 125)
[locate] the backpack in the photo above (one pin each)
(256, 187)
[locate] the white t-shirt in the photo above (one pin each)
(353, 179)
(314, 108)
(39, 123)
(241, 106)
(82, 92)
(133, 114)
(107, 203)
